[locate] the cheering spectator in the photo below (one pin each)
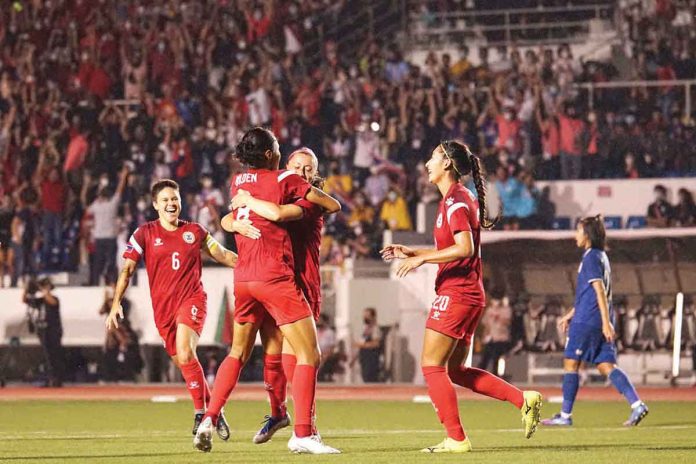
(104, 210)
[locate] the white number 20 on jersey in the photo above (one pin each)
(441, 302)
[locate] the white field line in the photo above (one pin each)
(337, 433)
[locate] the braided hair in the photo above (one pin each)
(465, 162)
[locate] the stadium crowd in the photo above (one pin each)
(99, 97)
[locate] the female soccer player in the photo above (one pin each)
(172, 252)
(304, 221)
(459, 304)
(264, 285)
(590, 326)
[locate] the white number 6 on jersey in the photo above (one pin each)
(176, 264)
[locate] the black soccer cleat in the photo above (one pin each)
(197, 419)
(223, 430)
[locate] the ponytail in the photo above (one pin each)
(479, 184)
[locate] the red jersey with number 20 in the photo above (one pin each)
(463, 278)
(173, 263)
(269, 257)
(305, 235)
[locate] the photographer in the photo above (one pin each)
(43, 309)
(121, 360)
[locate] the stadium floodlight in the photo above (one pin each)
(676, 350)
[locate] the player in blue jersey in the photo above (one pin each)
(590, 326)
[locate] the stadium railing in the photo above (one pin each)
(510, 25)
(682, 85)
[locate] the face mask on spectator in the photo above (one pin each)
(160, 46)
(392, 196)
(141, 205)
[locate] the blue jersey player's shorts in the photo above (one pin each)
(587, 343)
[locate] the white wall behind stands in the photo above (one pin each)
(611, 197)
(82, 324)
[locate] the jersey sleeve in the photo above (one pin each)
(292, 187)
(135, 248)
(310, 210)
(458, 216)
(593, 267)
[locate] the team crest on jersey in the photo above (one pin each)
(189, 237)
(439, 220)
(449, 201)
(158, 242)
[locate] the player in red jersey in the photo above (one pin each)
(172, 252)
(460, 300)
(266, 292)
(304, 221)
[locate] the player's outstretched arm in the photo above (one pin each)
(121, 286)
(463, 248)
(219, 253)
(266, 209)
(321, 198)
(396, 251)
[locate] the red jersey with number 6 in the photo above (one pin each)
(270, 257)
(463, 278)
(173, 263)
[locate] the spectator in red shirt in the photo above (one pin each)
(52, 191)
(99, 82)
(570, 129)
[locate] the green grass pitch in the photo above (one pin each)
(366, 432)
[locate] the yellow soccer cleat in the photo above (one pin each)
(449, 445)
(531, 412)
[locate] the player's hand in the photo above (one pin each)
(563, 324)
(244, 227)
(391, 252)
(241, 199)
(113, 317)
(608, 331)
(409, 264)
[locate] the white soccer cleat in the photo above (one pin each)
(310, 445)
(203, 441)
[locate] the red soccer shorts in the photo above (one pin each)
(454, 319)
(191, 313)
(280, 298)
